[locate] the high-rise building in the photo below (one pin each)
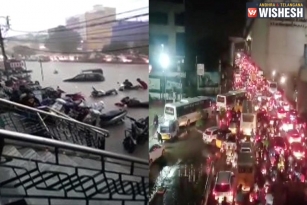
(77, 23)
(99, 24)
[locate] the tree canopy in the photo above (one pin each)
(23, 50)
(63, 40)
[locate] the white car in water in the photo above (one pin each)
(210, 134)
(155, 152)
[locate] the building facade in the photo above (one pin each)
(131, 32)
(167, 33)
(99, 25)
(95, 27)
(77, 23)
(280, 45)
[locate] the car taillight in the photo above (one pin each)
(214, 193)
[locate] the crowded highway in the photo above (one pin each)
(252, 137)
(263, 145)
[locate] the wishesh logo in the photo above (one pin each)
(252, 12)
(275, 10)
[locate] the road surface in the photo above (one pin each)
(188, 150)
(113, 73)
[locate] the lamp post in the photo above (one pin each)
(164, 63)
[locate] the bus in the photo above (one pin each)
(229, 100)
(272, 87)
(187, 110)
(245, 171)
(248, 121)
(240, 94)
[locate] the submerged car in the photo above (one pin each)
(91, 75)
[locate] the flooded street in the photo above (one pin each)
(113, 73)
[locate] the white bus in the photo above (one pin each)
(229, 100)
(248, 122)
(187, 110)
(272, 87)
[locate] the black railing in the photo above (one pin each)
(24, 119)
(110, 177)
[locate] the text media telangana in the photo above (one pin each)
(281, 4)
(281, 12)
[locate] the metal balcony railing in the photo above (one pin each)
(65, 176)
(24, 119)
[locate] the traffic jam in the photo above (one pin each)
(261, 140)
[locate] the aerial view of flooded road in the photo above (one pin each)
(113, 73)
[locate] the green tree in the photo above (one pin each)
(23, 50)
(63, 40)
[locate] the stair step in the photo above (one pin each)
(29, 153)
(64, 159)
(53, 180)
(11, 151)
(18, 202)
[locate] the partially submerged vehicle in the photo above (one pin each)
(168, 130)
(90, 75)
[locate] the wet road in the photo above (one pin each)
(184, 157)
(113, 73)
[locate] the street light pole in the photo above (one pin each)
(164, 62)
(164, 95)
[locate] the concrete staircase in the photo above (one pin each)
(19, 118)
(34, 175)
(50, 159)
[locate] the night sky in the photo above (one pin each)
(208, 25)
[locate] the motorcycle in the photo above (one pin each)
(132, 103)
(52, 93)
(75, 96)
(122, 87)
(138, 134)
(97, 93)
(96, 117)
(64, 105)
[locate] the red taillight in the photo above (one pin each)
(214, 193)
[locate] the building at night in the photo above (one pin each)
(167, 32)
(279, 46)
